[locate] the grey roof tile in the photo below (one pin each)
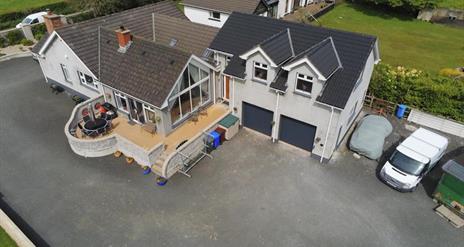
(279, 47)
(147, 70)
(236, 67)
(353, 49)
(82, 37)
(191, 37)
(322, 55)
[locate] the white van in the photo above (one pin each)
(32, 19)
(413, 159)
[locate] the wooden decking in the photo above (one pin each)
(137, 135)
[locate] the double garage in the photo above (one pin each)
(291, 131)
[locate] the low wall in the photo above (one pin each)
(438, 123)
(109, 144)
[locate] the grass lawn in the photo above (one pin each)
(5, 240)
(7, 6)
(457, 4)
(403, 40)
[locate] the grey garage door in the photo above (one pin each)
(297, 133)
(257, 118)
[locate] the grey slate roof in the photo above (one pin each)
(454, 168)
(235, 67)
(322, 55)
(147, 70)
(279, 47)
(191, 37)
(82, 37)
(39, 44)
(353, 49)
(227, 6)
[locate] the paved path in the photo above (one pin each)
(253, 193)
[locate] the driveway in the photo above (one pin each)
(253, 193)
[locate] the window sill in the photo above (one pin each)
(214, 19)
(307, 95)
(259, 81)
(90, 87)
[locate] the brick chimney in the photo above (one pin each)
(124, 39)
(52, 21)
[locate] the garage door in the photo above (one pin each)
(297, 133)
(257, 118)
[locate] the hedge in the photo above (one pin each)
(435, 94)
(9, 20)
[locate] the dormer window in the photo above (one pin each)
(304, 84)
(260, 71)
(215, 16)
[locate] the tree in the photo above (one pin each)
(407, 5)
(104, 7)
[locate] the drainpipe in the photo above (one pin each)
(215, 79)
(327, 134)
(233, 93)
(274, 128)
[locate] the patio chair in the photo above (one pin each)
(103, 115)
(150, 128)
(86, 118)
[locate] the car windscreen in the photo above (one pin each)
(406, 164)
(27, 20)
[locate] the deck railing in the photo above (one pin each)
(189, 150)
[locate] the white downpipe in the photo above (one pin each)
(327, 134)
(233, 94)
(215, 80)
(274, 127)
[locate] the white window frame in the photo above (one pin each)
(306, 78)
(122, 96)
(189, 89)
(65, 71)
(83, 80)
(211, 16)
(260, 66)
(150, 109)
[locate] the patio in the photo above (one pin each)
(146, 142)
(303, 14)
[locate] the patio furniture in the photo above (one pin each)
(103, 115)
(149, 127)
(87, 118)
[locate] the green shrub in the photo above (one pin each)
(9, 20)
(81, 17)
(26, 42)
(39, 31)
(432, 93)
(14, 37)
(3, 42)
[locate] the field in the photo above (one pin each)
(7, 6)
(403, 40)
(458, 4)
(5, 240)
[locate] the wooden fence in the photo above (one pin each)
(383, 107)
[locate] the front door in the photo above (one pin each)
(227, 88)
(296, 4)
(136, 111)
